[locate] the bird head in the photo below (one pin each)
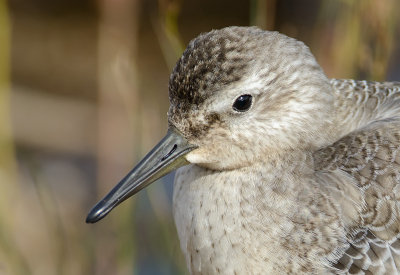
(237, 96)
(242, 94)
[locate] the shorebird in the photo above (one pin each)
(283, 171)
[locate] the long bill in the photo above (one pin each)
(166, 156)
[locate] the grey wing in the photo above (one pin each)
(361, 172)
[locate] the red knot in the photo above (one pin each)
(283, 171)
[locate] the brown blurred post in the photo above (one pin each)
(117, 95)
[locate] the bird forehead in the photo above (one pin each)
(210, 62)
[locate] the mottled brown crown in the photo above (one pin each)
(211, 61)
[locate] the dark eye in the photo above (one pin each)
(242, 103)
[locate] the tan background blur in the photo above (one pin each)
(83, 95)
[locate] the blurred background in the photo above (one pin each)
(83, 96)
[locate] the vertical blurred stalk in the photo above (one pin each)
(166, 29)
(356, 38)
(262, 14)
(10, 256)
(117, 118)
(7, 156)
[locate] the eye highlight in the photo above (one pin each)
(242, 103)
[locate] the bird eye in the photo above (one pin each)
(242, 103)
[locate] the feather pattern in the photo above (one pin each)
(369, 158)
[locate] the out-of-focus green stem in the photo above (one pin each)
(262, 13)
(7, 159)
(14, 260)
(171, 27)
(166, 29)
(360, 37)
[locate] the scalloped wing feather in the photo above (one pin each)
(368, 160)
(361, 172)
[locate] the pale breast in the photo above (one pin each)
(234, 223)
(207, 219)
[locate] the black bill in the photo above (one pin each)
(166, 156)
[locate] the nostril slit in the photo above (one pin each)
(170, 152)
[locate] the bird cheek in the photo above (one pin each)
(214, 158)
(199, 156)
